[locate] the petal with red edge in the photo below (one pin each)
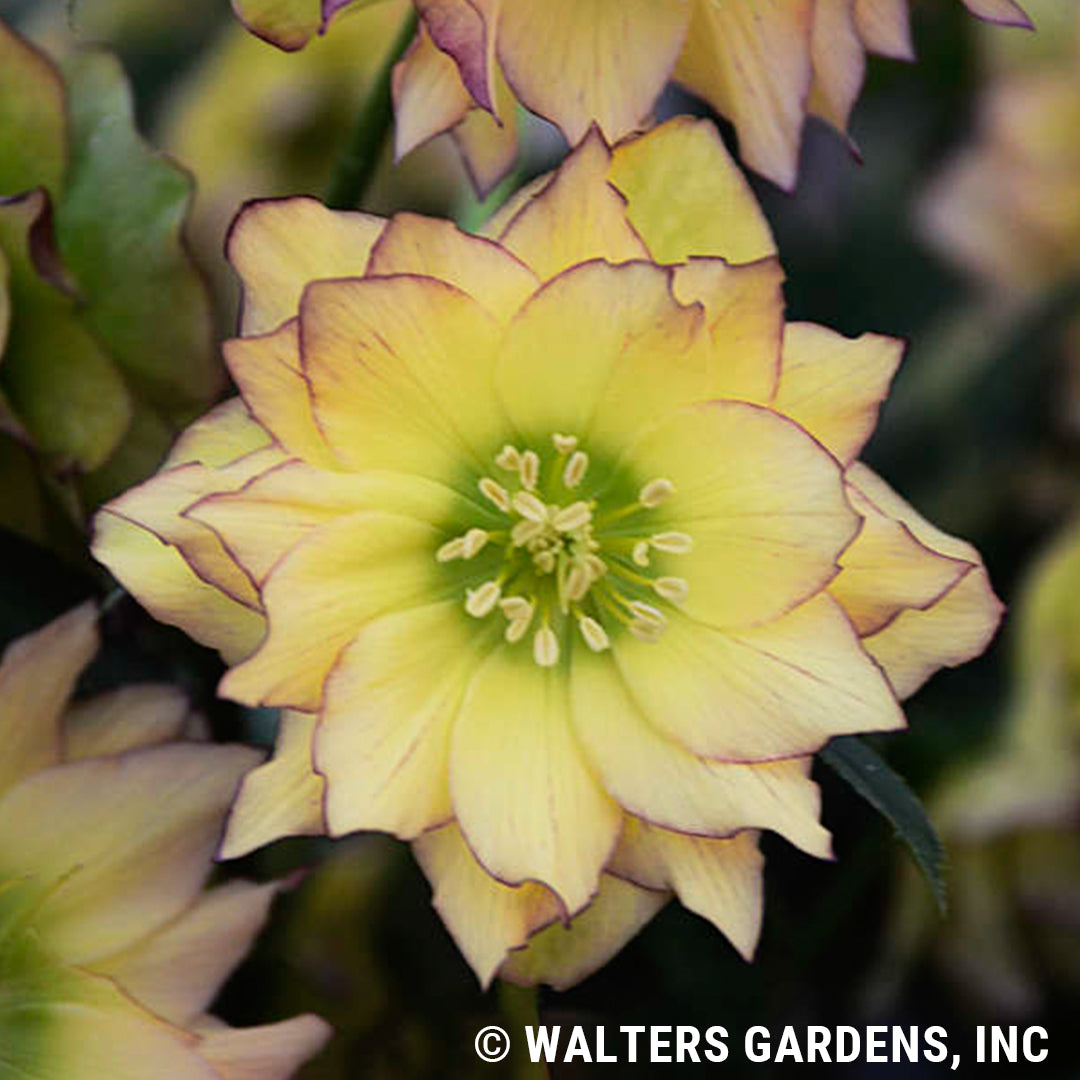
(885, 27)
(268, 1052)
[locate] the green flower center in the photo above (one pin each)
(561, 557)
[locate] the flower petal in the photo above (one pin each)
(278, 245)
(462, 30)
(839, 62)
(489, 141)
(887, 570)
(561, 368)
(616, 57)
(655, 778)
(266, 369)
(524, 797)
(774, 691)
(401, 370)
(833, 386)
(288, 24)
(721, 880)
(412, 244)
(561, 956)
(751, 62)
(686, 196)
(37, 676)
(383, 741)
(223, 435)
(762, 501)
(485, 917)
(131, 839)
(1006, 12)
(576, 217)
(948, 633)
(125, 719)
(268, 1052)
(178, 969)
(885, 27)
(283, 797)
(321, 593)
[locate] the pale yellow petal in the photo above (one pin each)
(523, 795)
(576, 217)
(657, 779)
(751, 62)
(839, 61)
(561, 956)
(485, 917)
(283, 797)
(401, 372)
(833, 386)
(37, 676)
(721, 880)
(278, 245)
(576, 62)
(686, 196)
(778, 690)
(268, 1052)
(125, 719)
(412, 244)
(489, 142)
(885, 27)
(223, 435)
(383, 741)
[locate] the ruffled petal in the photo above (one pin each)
(774, 691)
(763, 503)
(37, 676)
(751, 62)
(383, 741)
(525, 800)
(489, 141)
(839, 62)
(277, 246)
(833, 386)
(125, 719)
(885, 27)
(220, 437)
(561, 956)
(283, 797)
(268, 1052)
(721, 880)
(576, 62)
(401, 372)
(485, 917)
(686, 196)
(657, 779)
(577, 216)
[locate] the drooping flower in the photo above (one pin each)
(762, 64)
(111, 950)
(553, 544)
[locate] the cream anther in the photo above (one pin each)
(529, 470)
(578, 581)
(575, 469)
(473, 542)
(480, 601)
(655, 492)
(545, 647)
(564, 443)
(529, 506)
(594, 634)
(641, 553)
(674, 589)
(495, 493)
(597, 566)
(572, 517)
(524, 531)
(545, 561)
(452, 549)
(516, 607)
(647, 613)
(516, 630)
(645, 631)
(508, 458)
(674, 543)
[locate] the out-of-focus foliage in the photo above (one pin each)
(108, 343)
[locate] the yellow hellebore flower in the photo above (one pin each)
(763, 64)
(553, 542)
(110, 949)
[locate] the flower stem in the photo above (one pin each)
(360, 156)
(519, 1008)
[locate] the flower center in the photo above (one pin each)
(566, 558)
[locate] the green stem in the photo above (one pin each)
(519, 1008)
(360, 156)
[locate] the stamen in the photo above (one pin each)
(495, 493)
(641, 553)
(575, 469)
(529, 506)
(524, 531)
(516, 630)
(572, 517)
(452, 549)
(655, 492)
(516, 608)
(597, 566)
(545, 647)
(647, 613)
(645, 631)
(594, 634)
(508, 458)
(577, 582)
(674, 543)
(545, 560)
(674, 589)
(564, 443)
(473, 542)
(480, 601)
(529, 469)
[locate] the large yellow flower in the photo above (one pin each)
(763, 64)
(110, 949)
(553, 543)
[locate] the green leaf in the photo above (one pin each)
(33, 125)
(867, 772)
(119, 229)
